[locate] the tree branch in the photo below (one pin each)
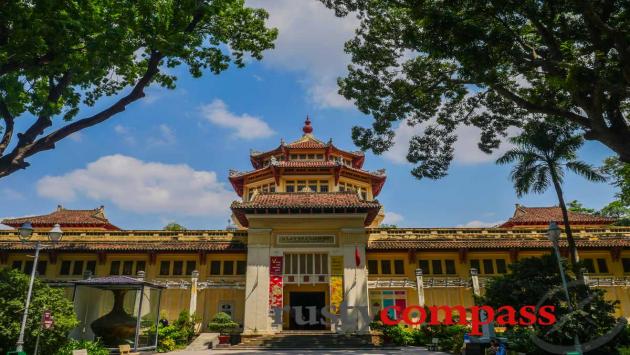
(549, 110)
(9, 123)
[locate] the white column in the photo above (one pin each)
(192, 310)
(257, 314)
(420, 287)
(355, 280)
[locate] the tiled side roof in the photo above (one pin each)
(122, 246)
(307, 144)
(543, 215)
(65, 217)
(490, 243)
(306, 164)
(306, 200)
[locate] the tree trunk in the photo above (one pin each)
(567, 225)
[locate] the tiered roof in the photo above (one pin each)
(542, 216)
(311, 202)
(66, 218)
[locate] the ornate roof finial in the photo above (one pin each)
(307, 129)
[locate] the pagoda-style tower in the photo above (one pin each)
(305, 206)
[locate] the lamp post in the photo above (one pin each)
(553, 234)
(26, 232)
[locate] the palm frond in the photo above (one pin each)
(585, 170)
(542, 180)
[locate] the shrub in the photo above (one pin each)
(92, 347)
(13, 289)
(177, 334)
(399, 334)
(222, 323)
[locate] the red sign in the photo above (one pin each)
(275, 265)
(275, 291)
(47, 320)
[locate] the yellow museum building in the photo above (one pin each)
(306, 233)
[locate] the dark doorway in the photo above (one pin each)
(304, 300)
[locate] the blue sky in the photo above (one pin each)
(167, 157)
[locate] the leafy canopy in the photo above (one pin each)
(13, 289)
(542, 152)
(58, 58)
(491, 64)
(529, 282)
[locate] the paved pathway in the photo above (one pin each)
(406, 350)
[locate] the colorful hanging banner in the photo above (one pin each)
(275, 292)
(336, 265)
(336, 293)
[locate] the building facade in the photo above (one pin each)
(307, 235)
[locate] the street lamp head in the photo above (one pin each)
(419, 272)
(25, 231)
(553, 233)
(55, 234)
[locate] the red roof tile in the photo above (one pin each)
(67, 218)
(307, 144)
(133, 246)
(492, 244)
(306, 200)
(543, 215)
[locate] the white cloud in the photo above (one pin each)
(392, 218)
(310, 41)
(165, 136)
(480, 224)
(124, 133)
(76, 137)
(466, 149)
(4, 226)
(245, 126)
(142, 187)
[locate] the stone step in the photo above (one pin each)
(307, 340)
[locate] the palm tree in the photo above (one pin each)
(541, 153)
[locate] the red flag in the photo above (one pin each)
(357, 256)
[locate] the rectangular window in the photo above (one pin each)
(399, 267)
(28, 267)
(312, 185)
(323, 186)
(165, 268)
(91, 266)
(287, 264)
(140, 266)
(228, 267)
(41, 267)
(437, 267)
(190, 267)
(626, 264)
(488, 266)
(373, 267)
(114, 268)
(178, 268)
(501, 266)
(450, 266)
(386, 267)
(127, 268)
(290, 188)
(474, 264)
(309, 263)
(424, 265)
(589, 265)
(241, 267)
(215, 267)
(77, 268)
(602, 266)
(17, 265)
(65, 268)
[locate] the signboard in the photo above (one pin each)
(336, 293)
(306, 239)
(336, 265)
(275, 265)
(47, 320)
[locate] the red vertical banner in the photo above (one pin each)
(275, 282)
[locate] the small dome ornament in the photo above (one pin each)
(307, 129)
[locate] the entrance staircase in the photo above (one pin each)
(296, 340)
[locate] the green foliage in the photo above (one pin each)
(399, 334)
(439, 65)
(222, 323)
(92, 347)
(173, 226)
(576, 206)
(451, 337)
(13, 289)
(178, 334)
(618, 173)
(530, 281)
(60, 57)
